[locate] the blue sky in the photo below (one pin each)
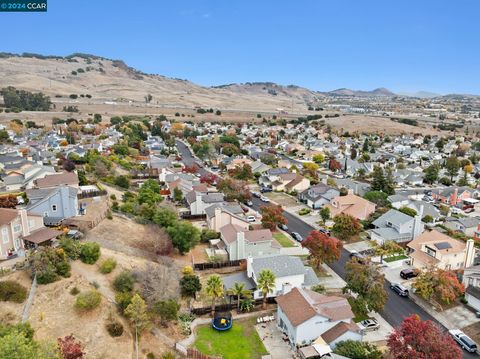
(403, 45)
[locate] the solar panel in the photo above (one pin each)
(443, 245)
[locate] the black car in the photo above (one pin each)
(265, 190)
(408, 273)
(297, 236)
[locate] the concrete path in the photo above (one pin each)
(271, 337)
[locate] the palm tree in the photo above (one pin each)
(214, 289)
(266, 283)
(239, 291)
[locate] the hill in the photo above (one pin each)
(383, 92)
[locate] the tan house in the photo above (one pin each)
(435, 249)
(352, 205)
(290, 182)
(58, 179)
(19, 229)
(221, 214)
(240, 162)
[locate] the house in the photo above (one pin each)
(241, 243)
(24, 178)
(352, 205)
(435, 249)
(199, 201)
(271, 175)
(304, 315)
(223, 213)
(466, 225)
(20, 229)
(358, 188)
(471, 281)
(58, 179)
(289, 273)
(452, 195)
(54, 204)
(396, 226)
(259, 167)
(318, 195)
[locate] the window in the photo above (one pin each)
(5, 235)
(54, 207)
(17, 228)
(431, 252)
(31, 223)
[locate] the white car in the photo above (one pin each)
(264, 199)
(369, 325)
(251, 218)
(463, 340)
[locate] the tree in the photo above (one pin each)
(420, 339)
(89, 252)
(272, 216)
(431, 174)
(334, 165)
(208, 178)
(167, 310)
(452, 165)
(234, 190)
(148, 98)
(379, 182)
(177, 194)
(357, 349)
(346, 226)
(311, 168)
(319, 158)
(441, 284)
(68, 165)
(16, 344)
(377, 197)
(214, 289)
(408, 211)
(323, 248)
(165, 217)
(137, 313)
(70, 348)
(427, 219)
(387, 248)
(238, 290)
(242, 172)
(266, 284)
(468, 168)
(190, 285)
(24, 100)
(324, 213)
(366, 280)
(184, 236)
(389, 182)
(122, 181)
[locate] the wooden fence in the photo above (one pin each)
(213, 265)
(91, 194)
(229, 307)
(195, 354)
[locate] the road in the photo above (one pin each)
(396, 308)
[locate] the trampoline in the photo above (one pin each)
(222, 321)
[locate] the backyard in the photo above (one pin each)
(240, 342)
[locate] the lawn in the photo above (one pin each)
(240, 342)
(283, 239)
(395, 258)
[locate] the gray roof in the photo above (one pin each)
(397, 198)
(241, 277)
(229, 207)
(281, 266)
(393, 216)
(310, 277)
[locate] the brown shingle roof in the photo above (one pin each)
(64, 178)
(338, 330)
(7, 215)
(42, 235)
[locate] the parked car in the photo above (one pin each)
(251, 218)
(455, 210)
(399, 289)
(249, 203)
(360, 258)
(264, 199)
(369, 325)
(256, 194)
(265, 190)
(463, 340)
(283, 227)
(323, 230)
(408, 273)
(244, 209)
(469, 210)
(297, 236)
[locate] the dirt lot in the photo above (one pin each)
(282, 199)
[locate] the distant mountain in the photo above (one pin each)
(358, 93)
(420, 94)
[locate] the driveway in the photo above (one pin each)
(271, 337)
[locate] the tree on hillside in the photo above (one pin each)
(190, 285)
(272, 216)
(214, 289)
(184, 236)
(266, 284)
(346, 226)
(322, 247)
(420, 339)
(441, 284)
(70, 348)
(136, 311)
(366, 280)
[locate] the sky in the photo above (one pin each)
(403, 45)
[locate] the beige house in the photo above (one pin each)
(19, 229)
(290, 182)
(352, 205)
(435, 249)
(222, 214)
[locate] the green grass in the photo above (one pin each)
(283, 239)
(395, 258)
(240, 342)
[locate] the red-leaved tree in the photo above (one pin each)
(323, 248)
(334, 165)
(419, 339)
(70, 348)
(190, 169)
(208, 178)
(272, 216)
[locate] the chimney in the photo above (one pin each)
(240, 245)
(454, 197)
(217, 221)
(418, 226)
(249, 267)
(470, 253)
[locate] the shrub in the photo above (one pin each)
(11, 291)
(304, 211)
(114, 328)
(88, 300)
(123, 300)
(124, 282)
(107, 266)
(208, 234)
(71, 247)
(48, 264)
(74, 291)
(89, 252)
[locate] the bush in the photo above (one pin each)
(74, 291)
(123, 300)
(124, 282)
(48, 264)
(89, 252)
(88, 300)
(114, 328)
(107, 266)
(11, 291)
(71, 247)
(208, 234)
(304, 211)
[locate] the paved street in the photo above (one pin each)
(396, 309)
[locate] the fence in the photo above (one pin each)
(228, 307)
(28, 304)
(195, 354)
(213, 265)
(91, 194)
